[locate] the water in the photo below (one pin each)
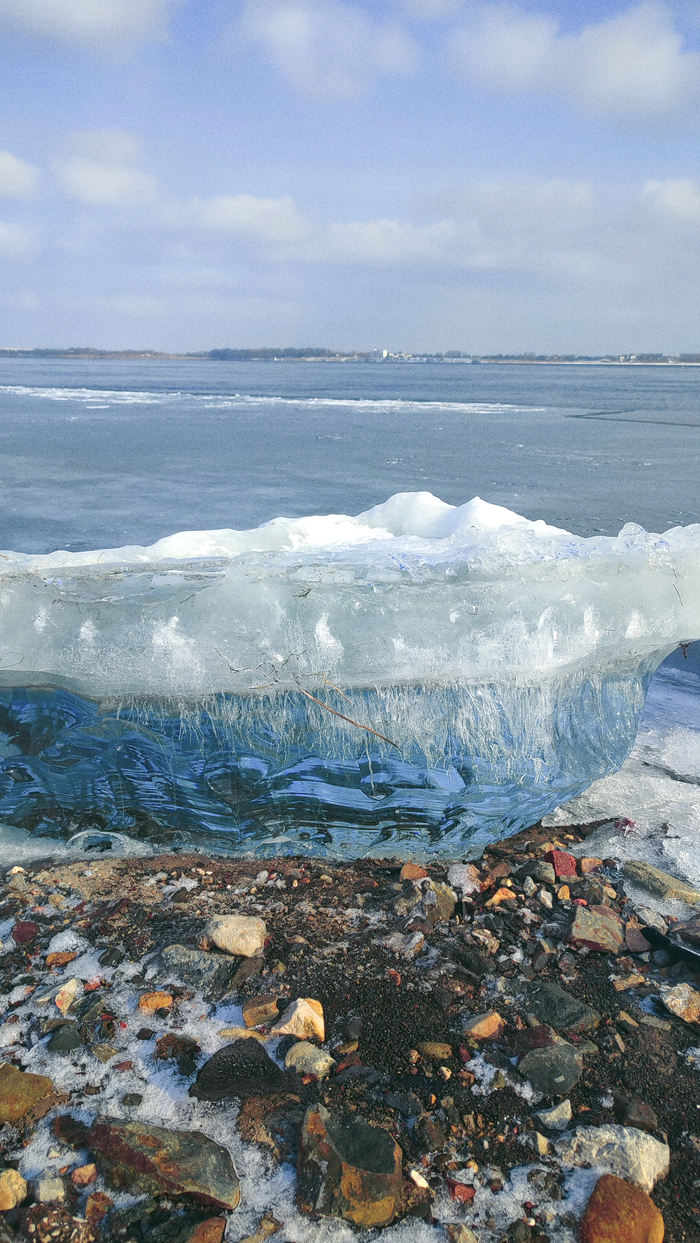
(101, 454)
(104, 453)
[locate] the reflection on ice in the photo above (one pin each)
(422, 677)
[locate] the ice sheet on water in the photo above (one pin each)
(419, 678)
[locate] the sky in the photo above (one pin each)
(418, 175)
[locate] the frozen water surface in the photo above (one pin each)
(421, 677)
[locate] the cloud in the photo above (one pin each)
(16, 242)
(678, 200)
(268, 220)
(326, 49)
(98, 170)
(633, 66)
(114, 27)
(17, 179)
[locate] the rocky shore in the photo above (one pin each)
(196, 1049)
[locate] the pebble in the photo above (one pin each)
(435, 1049)
(84, 1175)
(683, 1001)
(13, 1190)
(242, 935)
(19, 1092)
(238, 1070)
(210, 974)
(544, 872)
(260, 1009)
(553, 1071)
(303, 1018)
(623, 1151)
(412, 871)
(150, 1002)
(529, 887)
(563, 1012)
(598, 928)
(65, 1038)
(68, 994)
(618, 1212)
(307, 1059)
(557, 1118)
(49, 1189)
(563, 863)
(545, 898)
(635, 1112)
(660, 883)
(487, 1026)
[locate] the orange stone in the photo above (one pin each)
(19, 1092)
(563, 893)
(619, 1212)
(150, 1002)
(487, 1026)
(84, 1175)
(589, 864)
(210, 1231)
(60, 959)
(501, 895)
(412, 871)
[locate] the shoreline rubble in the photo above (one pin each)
(195, 1049)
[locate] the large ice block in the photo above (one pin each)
(419, 677)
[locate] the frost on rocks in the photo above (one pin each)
(388, 649)
(624, 1151)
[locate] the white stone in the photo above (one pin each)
(306, 1059)
(623, 1151)
(303, 1018)
(464, 877)
(682, 1000)
(557, 1118)
(243, 935)
(49, 1189)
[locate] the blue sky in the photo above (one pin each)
(407, 174)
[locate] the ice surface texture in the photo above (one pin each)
(490, 668)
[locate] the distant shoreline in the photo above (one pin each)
(297, 356)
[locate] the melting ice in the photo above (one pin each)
(421, 677)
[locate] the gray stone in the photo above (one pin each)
(529, 887)
(660, 883)
(553, 1005)
(49, 1189)
(623, 1151)
(651, 919)
(241, 1069)
(64, 1039)
(557, 1118)
(554, 1070)
(210, 974)
(544, 873)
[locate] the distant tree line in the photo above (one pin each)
(264, 355)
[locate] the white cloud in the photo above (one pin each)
(631, 66)
(109, 146)
(269, 220)
(114, 27)
(327, 50)
(106, 185)
(16, 241)
(17, 179)
(679, 199)
(386, 242)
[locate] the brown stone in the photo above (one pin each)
(97, 1206)
(260, 1009)
(634, 938)
(348, 1169)
(273, 1121)
(61, 958)
(635, 1112)
(84, 1175)
(13, 1189)
(619, 1212)
(412, 871)
(24, 932)
(19, 1092)
(268, 1226)
(487, 1026)
(163, 1162)
(682, 1000)
(598, 928)
(210, 1231)
(589, 864)
(436, 1049)
(150, 1002)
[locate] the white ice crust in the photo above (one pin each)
(411, 592)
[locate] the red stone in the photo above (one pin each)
(619, 1212)
(24, 932)
(461, 1192)
(564, 864)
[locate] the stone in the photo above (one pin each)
(210, 1231)
(210, 974)
(268, 1226)
(589, 864)
(19, 1092)
(563, 1012)
(563, 863)
(651, 919)
(240, 1069)
(623, 1151)
(406, 944)
(660, 883)
(563, 893)
(303, 1018)
(412, 871)
(635, 940)
(49, 1189)
(348, 1169)
(464, 877)
(260, 1009)
(150, 1002)
(598, 928)
(163, 1162)
(557, 1118)
(553, 1071)
(544, 897)
(243, 1033)
(459, 1233)
(501, 895)
(176, 1047)
(111, 958)
(529, 887)
(543, 872)
(438, 899)
(273, 1121)
(24, 932)
(622, 983)
(487, 1026)
(247, 968)
(61, 958)
(542, 1145)
(68, 994)
(625, 1020)
(97, 1207)
(635, 1112)
(435, 1049)
(13, 1190)
(683, 1001)
(132, 1100)
(103, 1052)
(242, 935)
(689, 931)
(84, 1175)
(618, 1212)
(307, 1059)
(63, 1039)
(70, 1131)
(650, 1020)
